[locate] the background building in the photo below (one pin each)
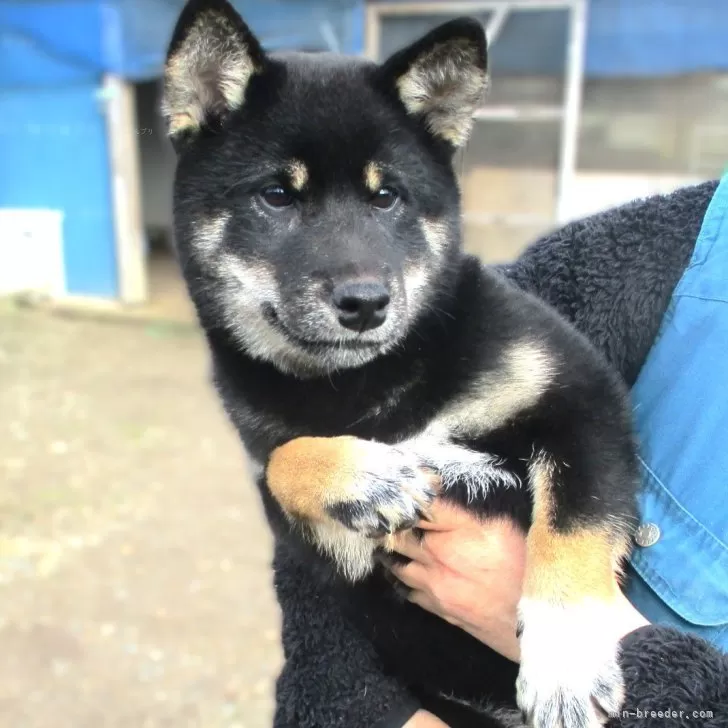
(592, 103)
(135, 558)
(85, 170)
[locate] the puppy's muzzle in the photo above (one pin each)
(361, 304)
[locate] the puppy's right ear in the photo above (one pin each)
(210, 61)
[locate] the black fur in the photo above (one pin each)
(355, 655)
(646, 246)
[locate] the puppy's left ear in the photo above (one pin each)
(442, 78)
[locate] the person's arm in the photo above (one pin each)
(331, 675)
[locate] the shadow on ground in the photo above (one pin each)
(135, 584)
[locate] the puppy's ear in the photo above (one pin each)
(210, 61)
(442, 78)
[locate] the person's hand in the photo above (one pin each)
(470, 573)
(467, 572)
(423, 719)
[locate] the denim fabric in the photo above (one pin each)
(681, 411)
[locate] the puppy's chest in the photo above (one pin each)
(439, 420)
(389, 415)
(453, 435)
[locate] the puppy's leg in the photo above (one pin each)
(569, 675)
(347, 493)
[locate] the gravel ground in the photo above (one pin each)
(135, 584)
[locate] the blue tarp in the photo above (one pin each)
(656, 37)
(129, 37)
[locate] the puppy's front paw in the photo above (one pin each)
(387, 492)
(569, 676)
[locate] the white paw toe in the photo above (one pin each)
(570, 676)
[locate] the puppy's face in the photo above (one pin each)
(315, 202)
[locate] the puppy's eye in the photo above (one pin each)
(385, 198)
(276, 196)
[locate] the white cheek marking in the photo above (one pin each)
(418, 276)
(246, 288)
(208, 234)
(416, 280)
(437, 235)
(257, 280)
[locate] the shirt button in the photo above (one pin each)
(648, 534)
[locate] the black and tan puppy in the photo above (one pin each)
(357, 349)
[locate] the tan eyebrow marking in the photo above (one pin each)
(298, 173)
(373, 177)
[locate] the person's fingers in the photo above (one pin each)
(412, 574)
(409, 545)
(444, 516)
(420, 599)
(424, 599)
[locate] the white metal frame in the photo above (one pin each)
(570, 111)
(124, 163)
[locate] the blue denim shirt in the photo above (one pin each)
(679, 575)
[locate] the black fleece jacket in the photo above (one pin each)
(359, 659)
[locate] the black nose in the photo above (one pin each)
(361, 305)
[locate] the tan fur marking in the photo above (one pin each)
(182, 122)
(522, 377)
(309, 473)
(564, 568)
(298, 173)
(373, 177)
(209, 233)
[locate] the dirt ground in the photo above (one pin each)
(135, 583)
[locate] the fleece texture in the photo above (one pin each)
(360, 658)
(674, 680)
